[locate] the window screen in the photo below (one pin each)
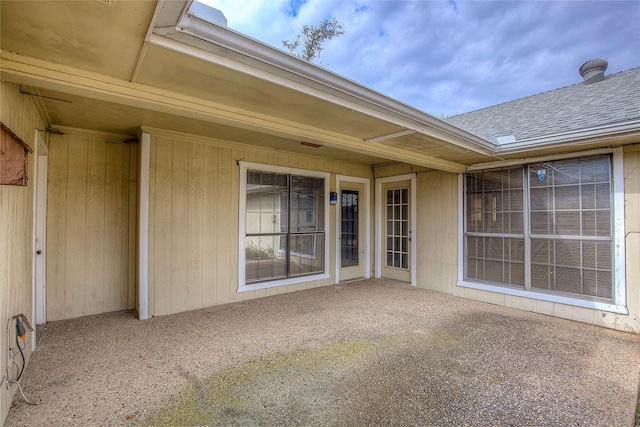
(566, 226)
(285, 234)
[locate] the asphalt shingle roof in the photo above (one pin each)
(615, 99)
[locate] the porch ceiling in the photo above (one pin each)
(112, 68)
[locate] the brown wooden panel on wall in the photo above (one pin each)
(13, 158)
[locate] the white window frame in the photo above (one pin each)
(242, 226)
(618, 302)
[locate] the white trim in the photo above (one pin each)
(610, 132)
(367, 224)
(613, 308)
(143, 221)
(39, 229)
(461, 216)
(378, 230)
(619, 297)
(414, 232)
(619, 241)
(550, 157)
(242, 225)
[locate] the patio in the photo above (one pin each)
(372, 352)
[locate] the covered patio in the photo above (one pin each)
(361, 353)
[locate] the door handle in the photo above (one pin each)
(39, 252)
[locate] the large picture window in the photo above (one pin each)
(542, 227)
(284, 225)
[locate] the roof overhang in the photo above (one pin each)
(211, 81)
(167, 68)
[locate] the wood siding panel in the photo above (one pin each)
(632, 241)
(193, 224)
(179, 227)
(88, 228)
(18, 113)
(76, 251)
(437, 230)
(195, 287)
(226, 257)
(209, 226)
(162, 233)
(152, 224)
(95, 247)
(130, 180)
(57, 226)
(116, 284)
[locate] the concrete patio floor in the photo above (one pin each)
(372, 352)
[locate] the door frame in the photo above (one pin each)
(378, 227)
(39, 234)
(366, 203)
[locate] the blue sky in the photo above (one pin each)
(447, 57)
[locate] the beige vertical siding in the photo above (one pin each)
(19, 113)
(632, 233)
(437, 261)
(193, 219)
(437, 230)
(90, 236)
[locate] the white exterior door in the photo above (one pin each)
(396, 231)
(352, 248)
(353, 228)
(40, 233)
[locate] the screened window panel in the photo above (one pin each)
(568, 253)
(570, 226)
(567, 223)
(307, 204)
(494, 201)
(263, 260)
(284, 226)
(567, 197)
(495, 259)
(573, 266)
(307, 254)
(541, 223)
(264, 204)
(568, 280)
(603, 196)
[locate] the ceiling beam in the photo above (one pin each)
(47, 75)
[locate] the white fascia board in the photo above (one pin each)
(609, 132)
(351, 94)
(543, 158)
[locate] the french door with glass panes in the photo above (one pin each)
(396, 230)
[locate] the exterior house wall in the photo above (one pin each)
(91, 198)
(438, 212)
(193, 219)
(437, 231)
(632, 233)
(19, 113)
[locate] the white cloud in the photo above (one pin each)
(449, 57)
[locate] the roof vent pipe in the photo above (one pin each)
(593, 71)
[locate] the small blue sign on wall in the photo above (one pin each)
(333, 197)
(542, 174)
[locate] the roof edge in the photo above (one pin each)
(609, 132)
(248, 47)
